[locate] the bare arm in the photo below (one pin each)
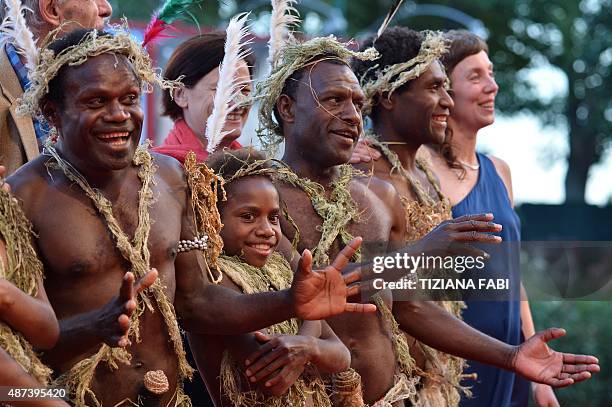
(207, 308)
(331, 356)
(13, 375)
(31, 316)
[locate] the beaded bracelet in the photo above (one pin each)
(197, 243)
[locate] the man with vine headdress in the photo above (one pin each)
(408, 103)
(106, 211)
(313, 101)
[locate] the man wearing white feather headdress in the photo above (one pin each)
(127, 210)
(21, 137)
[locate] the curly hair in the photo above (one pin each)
(395, 45)
(191, 61)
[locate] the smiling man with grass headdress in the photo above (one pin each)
(312, 101)
(106, 211)
(408, 104)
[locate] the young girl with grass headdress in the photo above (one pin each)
(282, 366)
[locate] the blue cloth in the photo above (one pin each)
(41, 128)
(500, 319)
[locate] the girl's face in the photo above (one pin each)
(197, 103)
(251, 220)
(474, 90)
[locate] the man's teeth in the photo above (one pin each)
(347, 135)
(488, 105)
(440, 118)
(105, 136)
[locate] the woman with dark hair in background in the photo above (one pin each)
(197, 61)
(477, 183)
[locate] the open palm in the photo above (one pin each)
(539, 363)
(320, 294)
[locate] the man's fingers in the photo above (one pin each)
(579, 368)
(305, 262)
(474, 237)
(359, 308)
(344, 257)
(552, 333)
(353, 290)
(123, 342)
(559, 383)
(581, 359)
(476, 225)
(485, 217)
(121, 339)
(580, 377)
(146, 281)
(353, 276)
(129, 307)
(124, 323)
(126, 292)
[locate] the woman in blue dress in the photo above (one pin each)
(476, 183)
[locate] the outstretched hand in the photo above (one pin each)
(453, 236)
(114, 317)
(321, 294)
(538, 363)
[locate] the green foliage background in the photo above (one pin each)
(589, 331)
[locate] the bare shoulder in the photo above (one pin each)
(378, 192)
(381, 188)
(168, 167)
(503, 170)
(30, 179)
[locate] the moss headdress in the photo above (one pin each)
(391, 77)
(293, 56)
(92, 44)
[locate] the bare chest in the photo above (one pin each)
(79, 249)
(374, 223)
(406, 188)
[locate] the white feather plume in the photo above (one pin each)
(284, 15)
(15, 30)
(229, 85)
